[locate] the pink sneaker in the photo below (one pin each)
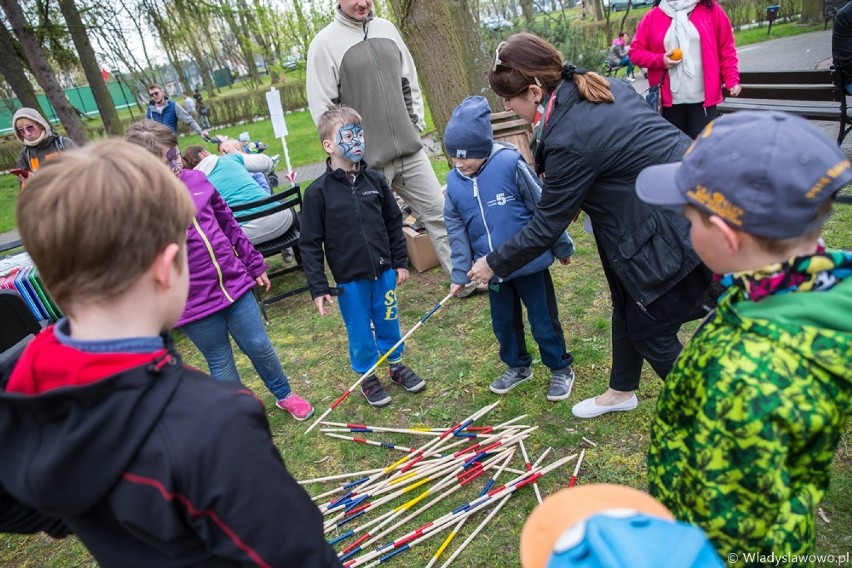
(298, 407)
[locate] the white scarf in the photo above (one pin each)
(678, 36)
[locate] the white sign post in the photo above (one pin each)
(279, 127)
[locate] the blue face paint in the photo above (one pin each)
(350, 141)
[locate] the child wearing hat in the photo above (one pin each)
(749, 418)
(491, 195)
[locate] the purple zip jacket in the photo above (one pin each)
(223, 264)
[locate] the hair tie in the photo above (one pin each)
(569, 70)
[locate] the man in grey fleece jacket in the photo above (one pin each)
(361, 61)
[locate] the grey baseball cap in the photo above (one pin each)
(766, 173)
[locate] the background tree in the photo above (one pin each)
(446, 45)
(43, 72)
(12, 65)
(89, 63)
(811, 12)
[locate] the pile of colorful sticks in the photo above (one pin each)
(451, 459)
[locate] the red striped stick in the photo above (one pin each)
(577, 469)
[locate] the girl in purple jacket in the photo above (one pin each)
(220, 281)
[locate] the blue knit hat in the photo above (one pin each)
(468, 133)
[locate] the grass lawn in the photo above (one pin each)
(455, 351)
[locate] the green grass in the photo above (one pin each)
(455, 351)
(8, 196)
(757, 35)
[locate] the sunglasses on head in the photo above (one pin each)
(499, 62)
(28, 129)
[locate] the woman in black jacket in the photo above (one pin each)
(591, 140)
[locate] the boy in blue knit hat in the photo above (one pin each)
(491, 195)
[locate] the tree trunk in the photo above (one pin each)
(243, 42)
(811, 12)
(447, 49)
(89, 62)
(527, 9)
(12, 69)
(42, 71)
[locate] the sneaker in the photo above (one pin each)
(630, 80)
(289, 257)
(561, 383)
(298, 407)
(374, 392)
(510, 379)
(406, 378)
(590, 409)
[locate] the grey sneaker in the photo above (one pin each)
(561, 383)
(373, 391)
(510, 379)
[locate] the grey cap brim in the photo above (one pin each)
(657, 185)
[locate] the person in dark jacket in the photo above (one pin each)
(590, 163)
(350, 218)
(841, 44)
(223, 269)
(148, 462)
(39, 140)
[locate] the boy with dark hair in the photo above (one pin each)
(148, 462)
(350, 219)
(491, 195)
(750, 416)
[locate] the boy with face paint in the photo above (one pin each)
(351, 220)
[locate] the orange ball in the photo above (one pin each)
(676, 55)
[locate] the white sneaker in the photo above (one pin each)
(590, 409)
(630, 80)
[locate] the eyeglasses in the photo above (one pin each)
(498, 61)
(152, 93)
(28, 129)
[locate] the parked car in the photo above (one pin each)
(496, 22)
(617, 5)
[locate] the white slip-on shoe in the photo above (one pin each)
(589, 409)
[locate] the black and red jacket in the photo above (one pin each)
(151, 465)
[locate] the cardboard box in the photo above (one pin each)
(421, 254)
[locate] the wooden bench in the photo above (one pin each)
(814, 95)
(509, 127)
(610, 70)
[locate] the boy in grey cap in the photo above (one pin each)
(750, 416)
(491, 195)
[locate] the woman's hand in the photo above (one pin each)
(735, 90)
(481, 272)
(670, 63)
(263, 280)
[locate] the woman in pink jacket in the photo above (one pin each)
(690, 85)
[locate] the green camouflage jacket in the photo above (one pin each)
(749, 419)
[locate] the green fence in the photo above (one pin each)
(80, 98)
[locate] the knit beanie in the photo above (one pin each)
(36, 117)
(468, 133)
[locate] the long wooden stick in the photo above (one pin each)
(381, 360)
(577, 469)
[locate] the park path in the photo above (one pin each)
(804, 51)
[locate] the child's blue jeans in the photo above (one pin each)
(242, 320)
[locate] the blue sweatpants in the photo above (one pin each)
(365, 301)
(507, 320)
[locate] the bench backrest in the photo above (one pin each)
(509, 127)
(816, 85)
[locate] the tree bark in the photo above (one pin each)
(447, 48)
(527, 9)
(242, 40)
(811, 12)
(12, 69)
(42, 71)
(89, 62)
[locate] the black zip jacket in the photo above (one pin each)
(358, 223)
(156, 466)
(590, 155)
